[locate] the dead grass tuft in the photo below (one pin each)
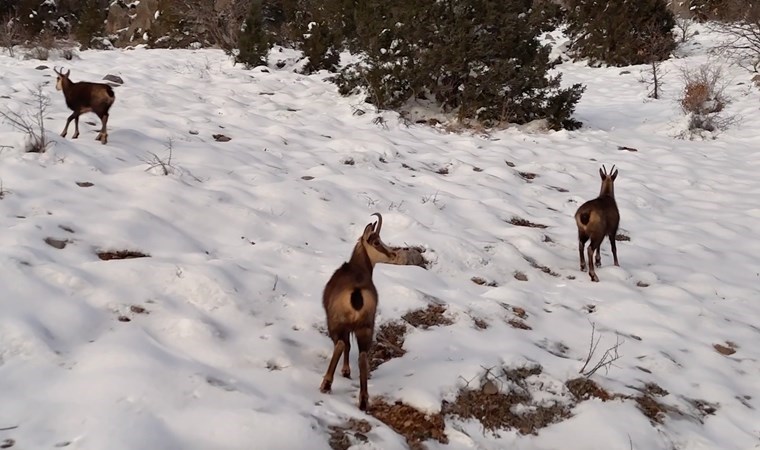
(584, 388)
(389, 342)
(536, 265)
(343, 437)
(431, 316)
(725, 350)
(121, 254)
(520, 222)
(514, 409)
(416, 426)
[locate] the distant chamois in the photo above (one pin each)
(350, 301)
(84, 97)
(596, 219)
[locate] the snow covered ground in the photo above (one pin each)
(243, 235)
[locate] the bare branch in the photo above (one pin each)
(608, 358)
(31, 121)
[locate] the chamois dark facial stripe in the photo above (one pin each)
(357, 301)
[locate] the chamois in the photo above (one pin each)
(83, 97)
(350, 301)
(596, 219)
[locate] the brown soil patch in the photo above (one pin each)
(121, 254)
(483, 282)
(725, 350)
(622, 237)
(389, 342)
(137, 309)
(416, 426)
(584, 388)
(124, 319)
(545, 269)
(342, 437)
(428, 317)
(519, 324)
(481, 324)
(520, 222)
(495, 409)
(528, 175)
(84, 184)
(519, 276)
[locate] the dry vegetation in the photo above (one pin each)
(416, 426)
(431, 316)
(389, 343)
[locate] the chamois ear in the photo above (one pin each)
(602, 175)
(614, 175)
(67, 73)
(368, 230)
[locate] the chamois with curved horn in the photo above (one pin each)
(84, 97)
(596, 219)
(350, 301)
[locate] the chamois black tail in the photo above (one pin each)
(357, 301)
(585, 217)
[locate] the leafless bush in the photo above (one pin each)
(164, 165)
(31, 121)
(684, 27)
(40, 53)
(605, 362)
(10, 33)
(741, 38)
(703, 99)
(222, 24)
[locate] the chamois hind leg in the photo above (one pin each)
(582, 238)
(328, 379)
(593, 247)
(103, 134)
(614, 248)
(598, 255)
(68, 121)
(76, 127)
(346, 370)
(364, 342)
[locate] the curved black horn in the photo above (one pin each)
(604, 169)
(379, 222)
(613, 169)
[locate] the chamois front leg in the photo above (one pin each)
(364, 341)
(103, 134)
(68, 121)
(328, 379)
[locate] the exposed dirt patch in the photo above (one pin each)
(60, 244)
(84, 184)
(389, 343)
(703, 408)
(137, 309)
(519, 324)
(520, 222)
(726, 350)
(509, 163)
(442, 171)
(584, 388)
(353, 432)
(545, 269)
(651, 408)
(121, 254)
(477, 169)
(642, 284)
(655, 390)
(431, 316)
(622, 237)
(483, 282)
(124, 319)
(66, 228)
(528, 176)
(519, 276)
(548, 240)
(558, 189)
(416, 426)
(7, 443)
(514, 409)
(480, 323)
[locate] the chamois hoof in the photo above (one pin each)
(326, 386)
(63, 134)
(583, 267)
(346, 373)
(363, 404)
(104, 140)
(598, 264)
(594, 278)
